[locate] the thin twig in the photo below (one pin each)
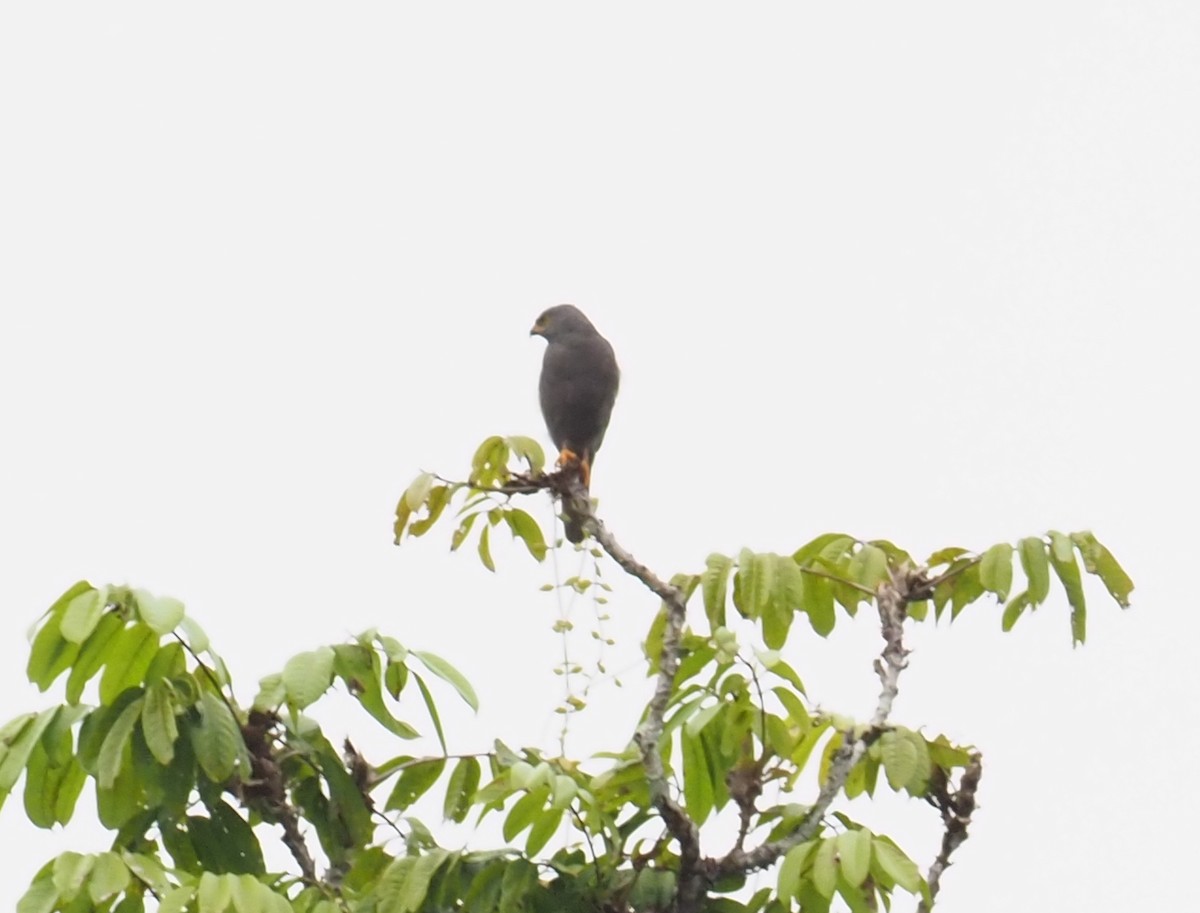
(834, 577)
(933, 584)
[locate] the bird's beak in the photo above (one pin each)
(538, 329)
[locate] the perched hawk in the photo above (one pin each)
(578, 388)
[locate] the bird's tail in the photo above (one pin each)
(572, 527)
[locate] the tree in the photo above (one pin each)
(192, 783)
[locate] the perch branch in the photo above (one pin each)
(693, 881)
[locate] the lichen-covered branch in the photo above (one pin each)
(693, 882)
(696, 873)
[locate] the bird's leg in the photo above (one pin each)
(569, 458)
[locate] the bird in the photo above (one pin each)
(577, 389)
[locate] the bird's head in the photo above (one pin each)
(561, 320)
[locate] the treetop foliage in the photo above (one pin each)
(191, 781)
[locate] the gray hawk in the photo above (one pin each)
(577, 389)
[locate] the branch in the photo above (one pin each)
(265, 791)
(957, 808)
(892, 597)
(693, 881)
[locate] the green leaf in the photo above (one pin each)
(519, 881)
(271, 692)
(70, 872)
(248, 895)
(825, 868)
(51, 654)
(808, 742)
(544, 827)
(414, 781)
(448, 673)
(94, 654)
(485, 551)
(82, 615)
(523, 812)
(897, 866)
(923, 767)
(791, 870)
(162, 613)
(39, 790)
(128, 660)
(752, 583)
(1036, 566)
(1013, 611)
(521, 774)
(431, 707)
(177, 899)
(776, 666)
(416, 882)
(869, 567)
(114, 751)
(216, 738)
(829, 546)
(241, 853)
(945, 556)
(529, 450)
(995, 570)
(434, 504)
(17, 742)
(464, 781)
(307, 676)
(194, 634)
(417, 493)
(899, 759)
(214, 893)
(1062, 559)
(110, 876)
(797, 712)
(697, 778)
(652, 647)
(1099, 560)
(489, 458)
(967, 588)
(525, 528)
(818, 604)
(563, 792)
(359, 667)
(459, 536)
(786, 598)
(147, 869)
(158, 722)
(854, 856)
(42, 897)
(714, 582)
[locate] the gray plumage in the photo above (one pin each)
(577, 390)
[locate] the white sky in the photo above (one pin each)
(920, 271)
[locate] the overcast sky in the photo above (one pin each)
(926, 272)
